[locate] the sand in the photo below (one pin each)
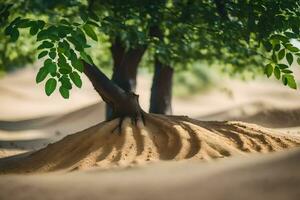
(260, 177)
(169, 158)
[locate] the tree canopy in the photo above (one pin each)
(245, 34)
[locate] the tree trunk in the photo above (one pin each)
(117, 52)
(123, 103)
(124, 74)
(161, 91)
(125, 64)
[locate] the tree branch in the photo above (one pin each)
(110, 92)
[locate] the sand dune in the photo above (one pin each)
(259, 113)
(85, 115)
(163, 138)
(32, 134)
(55, 127)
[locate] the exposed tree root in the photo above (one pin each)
(134, 119)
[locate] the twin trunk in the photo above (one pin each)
(124, 69)
(122, 103)
(125, 74)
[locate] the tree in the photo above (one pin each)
(246, 35)
(239, 33)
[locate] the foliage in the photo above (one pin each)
(14, 54)
(244, 34)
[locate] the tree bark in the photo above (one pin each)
(125, 64)
(117, 52)
(123, 103)
(161, 91)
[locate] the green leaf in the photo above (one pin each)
(65, 71)
(49, 33)
(274, 57)
(52, 54)
(289, 58)
(64, 66)
(64, 47)
(14, 35)
(282, 66)
(41, 75)
(268, 70)
(281, 54)
(78, 46)
(79, 36)
(65, 81)
(63, 30)
(77, 64)
(42, 54)
(90, 32)
(277, 47)
(50, 86)
(65, 93)
(86, 57)
(25, 23)
(40, 24)
(76, 79)
(280, 37)
(15, 21)
(291, 82)
(277, 72)
(291, 48)
(288, 79)
(286, 71)
(34, 29)
(267, 46)
(298, 61)
(61, 58)
(46, 44)
(50, 65)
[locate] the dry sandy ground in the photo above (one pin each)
(275, 177)
(29, 120)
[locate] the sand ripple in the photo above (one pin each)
(163, 138)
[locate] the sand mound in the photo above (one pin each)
(259, 113)
(163, 138)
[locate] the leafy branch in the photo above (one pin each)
(63, 45)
